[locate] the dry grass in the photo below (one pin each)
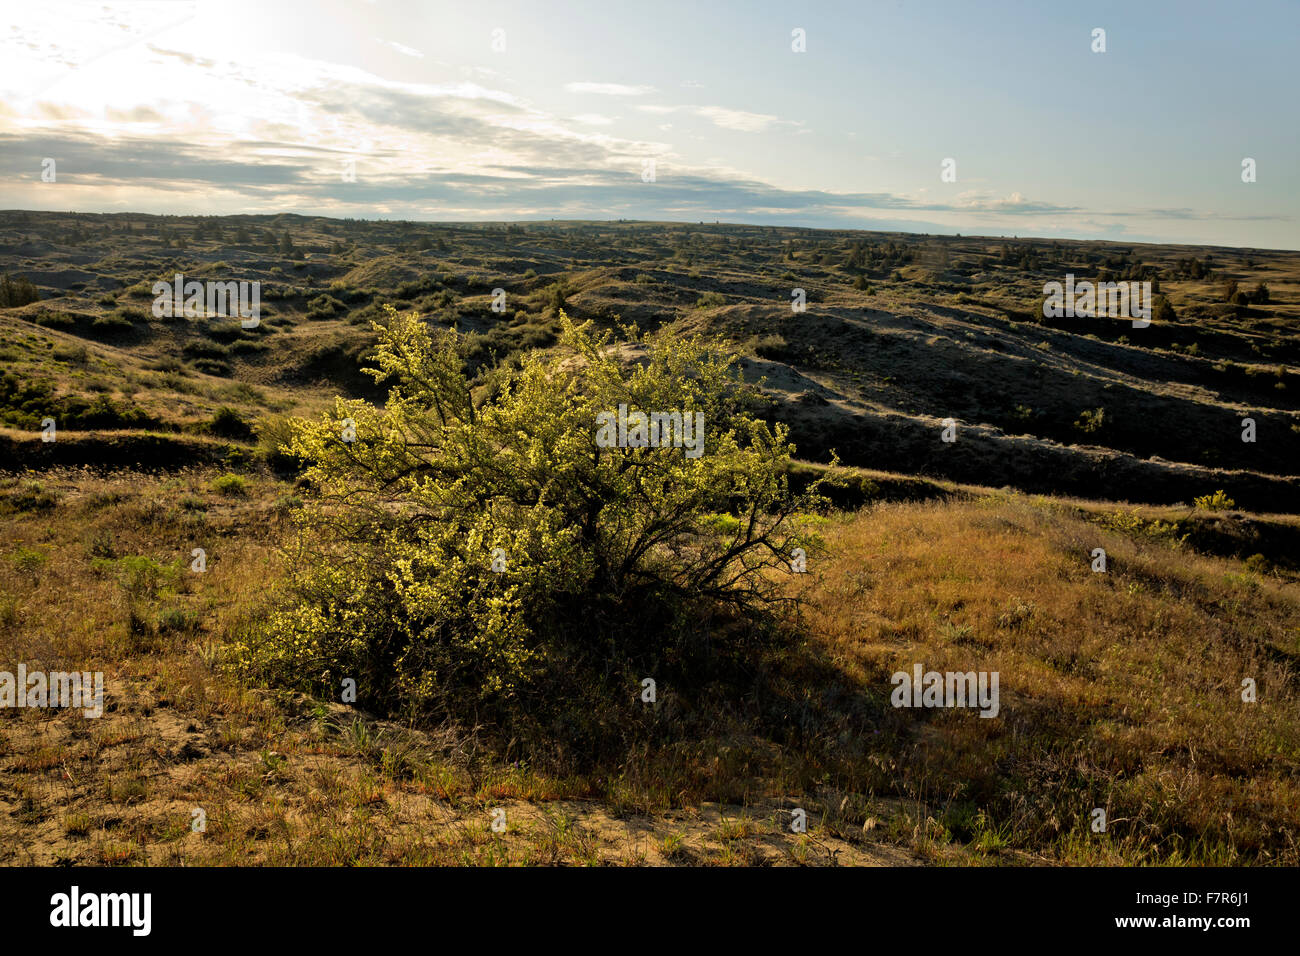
(1118, 690)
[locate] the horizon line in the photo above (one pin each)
(653, 222)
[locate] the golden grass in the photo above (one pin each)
(1118, 690)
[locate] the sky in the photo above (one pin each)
(666, 110)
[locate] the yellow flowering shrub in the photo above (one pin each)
(459, 543)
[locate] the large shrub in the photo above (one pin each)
(477, 548)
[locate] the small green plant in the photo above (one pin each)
(725, 524)
(55, 320)
(1259, 564)
(324, 307)
(1091, 421)
(1125, 522)
(28, 561)
(673, 845)
(210, 367)
(29, 496)
(1219, 501)
(359, 736)
(77, 824)
(111, 323)
(1016, 613)
(142, 580)
(272, 763)
(228, 423)
(177, 620)
(1134, 525)
(955, 633)
(207, 350)
(232, 486)
(72, 354)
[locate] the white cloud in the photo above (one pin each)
(404, 50)
(609, 89)
(722, 117)
(736, 119)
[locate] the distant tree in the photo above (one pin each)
(1260, 295)
(556, 297)
(17, 291)
(1230, 290)
(1163, 311)
(286, 244)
